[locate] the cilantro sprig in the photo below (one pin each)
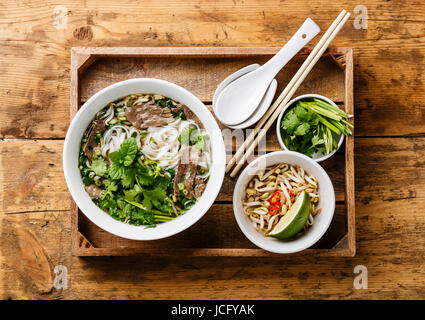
(136, 190)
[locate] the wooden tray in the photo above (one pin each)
(200, 70)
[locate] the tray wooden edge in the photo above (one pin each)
(83, 57)
(349, 154)
(204, 252)
(83, 54)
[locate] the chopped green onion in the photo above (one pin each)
(320, 110)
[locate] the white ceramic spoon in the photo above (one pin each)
(264, 104)
(241, 98)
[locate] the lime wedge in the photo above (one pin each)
(294, 220)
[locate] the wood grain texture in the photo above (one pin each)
(38, 184)
(201, 70)
(225, 239)
(32, 244)
(35, 51)
(389, 227)
(389, 82)
(394, 264)
(375, 177)
(347, 61)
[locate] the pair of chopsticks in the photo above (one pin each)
(273, 112)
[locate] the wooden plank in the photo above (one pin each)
(381, 184)
(184, 21)
(37, 183)
(202, 74)
(389, 244)
(349, 155)
(29, 255)
(389, 97)
(31, 176)
(36, 52)
(394, 268)
(44, 113)
(41, 185)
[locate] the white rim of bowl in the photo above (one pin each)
(238, 218)
(290, 103)
(96, 219)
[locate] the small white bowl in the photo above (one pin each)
(318, 156)
(72, 146)
(321, 221)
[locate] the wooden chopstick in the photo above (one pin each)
(278, 101)
(287, 93)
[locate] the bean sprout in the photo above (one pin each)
(290, 181)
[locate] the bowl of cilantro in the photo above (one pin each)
(313, 125)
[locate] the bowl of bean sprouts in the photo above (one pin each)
(268, 188)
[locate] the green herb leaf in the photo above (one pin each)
(302, 113)
(128, 179)
(313, 126)
(99, 166)
(130, 195)
(142, 175)
(302, 129)
(290, 122)
(115, 157)
(116, 171)
(128, 151)
(87, 181)
(316, 140)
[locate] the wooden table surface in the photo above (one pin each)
(389, 59)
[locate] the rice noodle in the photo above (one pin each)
(113, 137)
(161, 144)
(205, 162)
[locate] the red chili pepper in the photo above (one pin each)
(290, 192)
(273, 210)
(275, 198)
